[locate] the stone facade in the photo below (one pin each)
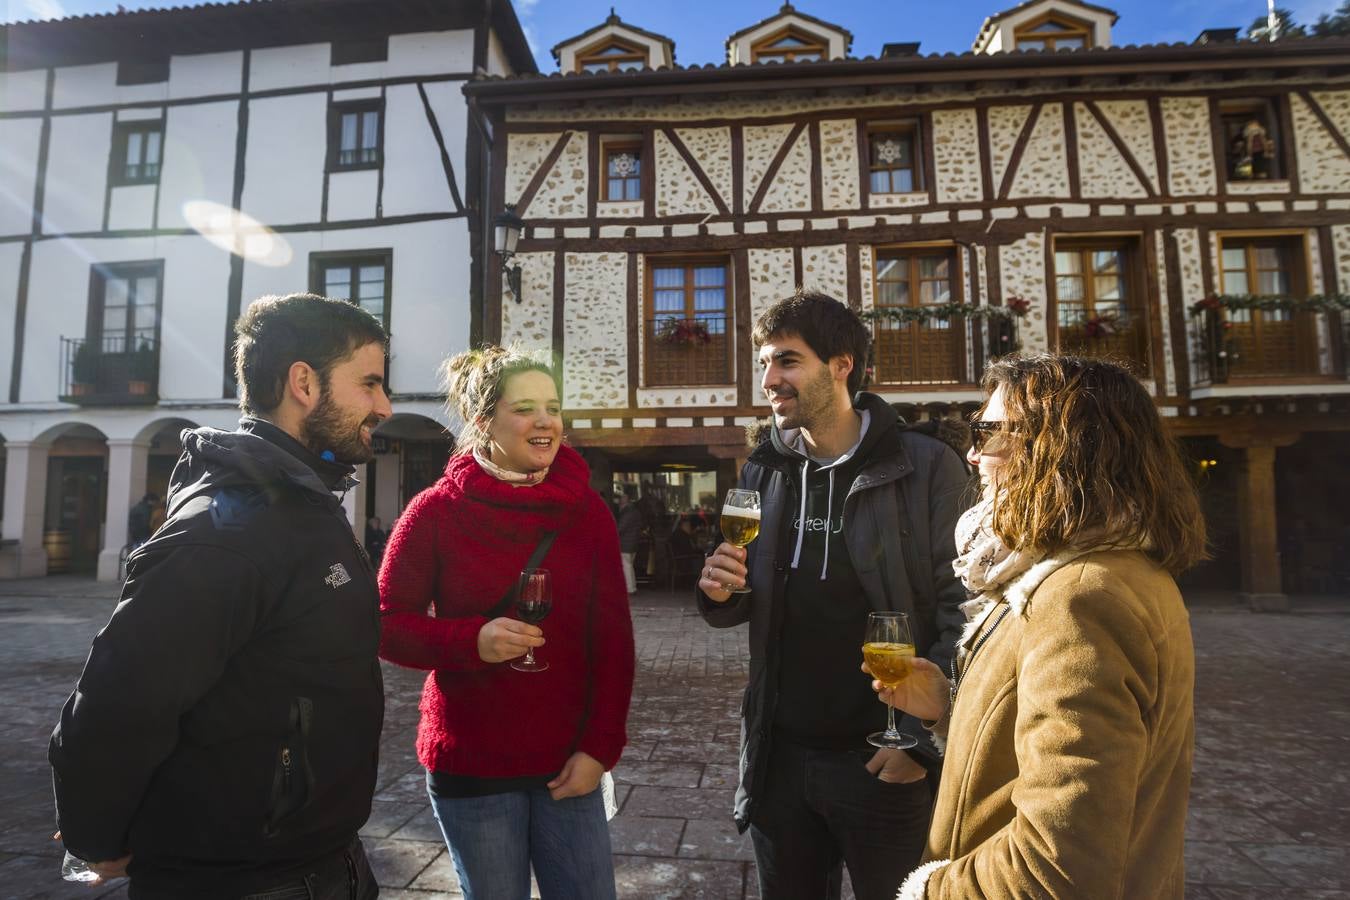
(595, 334)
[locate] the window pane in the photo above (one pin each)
(631, 65)
(1272, 282)
(1069, 43)
(668, 278)
(881, 182)
(614, 50)
(806, 57)
(668, 301)
(374, 307)
(144, 319)
(152, 140)
(147, 286)
(1104, 261)
(1068, 288)
(1068, 262)
(134, 148)
(887, 267)
(632, 189)
(1047, 27)
(595, 67)
(348, 139)
(788, 41)
(337, 283)
(893, 293)
(1268, 258)
(1030, 45)
(1108, 288)
(114, 320)
(1235, 282)
(934, 267)
(710, 300)
(931, 292)
(1234, 258)
(902, 180)
(706, 276)
(370, 136)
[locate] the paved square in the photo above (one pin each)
(1270, 806)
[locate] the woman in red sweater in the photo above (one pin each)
(513, 758)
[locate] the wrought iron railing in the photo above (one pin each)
(1282, 346)
(115, 369)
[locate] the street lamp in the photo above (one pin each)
(506, 234)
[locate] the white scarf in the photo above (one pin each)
(520, 479)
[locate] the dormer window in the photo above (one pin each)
(790, 45)
(1053, 32)
(611, 56)
(623, 171)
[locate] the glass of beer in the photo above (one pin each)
(740, 522)
(888, 647)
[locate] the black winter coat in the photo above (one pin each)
(226, 726)
(901, 512)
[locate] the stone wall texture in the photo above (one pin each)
(839, 163)
(712, 148)
(1103, 172)
(771, 279)
(1023, 269)
(595, 366)
(1340, 239)
(563, 193)
(957, 156)
(791, 187)
(524, 154)
(826, 269)
(1044, 168)
(1005, 124)
(1168, 384)
(759, 143)
(530, 322)
(1131, 121)
(678, 192)
(1190, 146)
(1192, 283)
(1322, 167)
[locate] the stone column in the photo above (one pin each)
(127, 461)
(1262, 588)
(25, 502)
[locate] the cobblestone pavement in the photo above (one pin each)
(1270, 805)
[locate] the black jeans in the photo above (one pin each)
(821, 808)
(342, 876)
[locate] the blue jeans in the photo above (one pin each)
(494, 841)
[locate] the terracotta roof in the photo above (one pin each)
(1332, 53)
(998, 16)
(788, 9)
(213, 27)
(613, 19)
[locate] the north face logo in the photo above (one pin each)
(337, 576)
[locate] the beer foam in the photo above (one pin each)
(741, 513)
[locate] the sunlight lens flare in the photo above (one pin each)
(237, 232)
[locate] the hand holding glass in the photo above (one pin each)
(740, 522)
(534, 599)
(888, 649)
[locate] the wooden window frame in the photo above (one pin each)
(592, 55)
(1073, 28)
(814, 43)
(99, 275)
(335, 113)
(1300, 283)
(1136, 300)
(117, 162)
(610, 147)
(914, 129)
(319, 263)
(689, 263)
(359, 50)
(915, 252)
(1275, 112)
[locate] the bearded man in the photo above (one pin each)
(222, 741)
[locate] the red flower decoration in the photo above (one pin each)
(1018, 306)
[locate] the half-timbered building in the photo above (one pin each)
(162, 169)
(1185, 208)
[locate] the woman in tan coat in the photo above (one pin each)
(1068, 719)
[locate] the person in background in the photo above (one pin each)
(223, 739)
(630, 535)
(514, 759)
(1070, 730)
(376, 538)
(859, 512)
(139, 520)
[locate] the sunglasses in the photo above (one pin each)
(982, 431)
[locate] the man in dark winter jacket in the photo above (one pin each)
(222, 741)
(857, 515)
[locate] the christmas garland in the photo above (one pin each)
(1016, 308)
(1325, 303)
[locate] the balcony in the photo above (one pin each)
(1269, 347)
(688, 351)
(109, 372)
(941, 354)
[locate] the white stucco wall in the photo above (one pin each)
(77, 172)
(283, 183)
(199, 145)
(1190, 148)
(18, 174)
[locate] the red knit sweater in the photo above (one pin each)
(454, 552)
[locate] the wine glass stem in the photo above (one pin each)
(529, 656)
(890, 721)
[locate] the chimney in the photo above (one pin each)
(1218, 36)
(895, 51)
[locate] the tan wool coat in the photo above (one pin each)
(1068, 755)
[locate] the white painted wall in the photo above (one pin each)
(198, 158)
(77, 172)
(18, 174)
(283, 166)
(204, 74)
(26, 90)
(97, 85)
(413, 174)
(426, 53)
(131, 206)
(192, 325)
(10, 255)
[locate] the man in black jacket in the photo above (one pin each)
(858, 514)
(222, 741)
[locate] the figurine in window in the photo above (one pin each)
(1260, 148)
(1239, 163)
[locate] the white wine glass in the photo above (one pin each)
(740, 522)
(888, 649)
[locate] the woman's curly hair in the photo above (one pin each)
(1086, 453)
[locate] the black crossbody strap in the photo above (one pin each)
(509, 598)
